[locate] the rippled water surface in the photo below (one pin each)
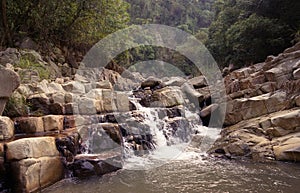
(192, 175)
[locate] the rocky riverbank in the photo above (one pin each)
(78, 125)
(263, 115)
(62, 120)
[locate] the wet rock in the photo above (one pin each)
(6, 128)
(89, 165)
(178, 128)
(69, 145)
(99, 137)
(238, 149)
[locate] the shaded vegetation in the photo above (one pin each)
(245, 32)
(68, 22)
(239, 32)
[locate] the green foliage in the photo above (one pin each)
(26, 62)
(68, 21)
(252, 39)
(245, 32)
(189, 15)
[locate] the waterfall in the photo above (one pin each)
(171, 135)
(146, 137)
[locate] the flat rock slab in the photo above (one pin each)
(34, 147)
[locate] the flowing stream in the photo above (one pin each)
(192, 174)
(183, 167)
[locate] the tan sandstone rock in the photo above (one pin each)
(167, 97)
(34, 147)
(33, 174)
(53, 122)
(288, 148)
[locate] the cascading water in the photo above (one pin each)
(145, 138)
(172, 135)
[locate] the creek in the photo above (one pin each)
(177, 165)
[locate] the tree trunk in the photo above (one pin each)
(7, 34)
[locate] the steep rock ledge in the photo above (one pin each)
(262, 119)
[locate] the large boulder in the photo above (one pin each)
(12, 81)
(167, 97)
(89, 165)
(33, 174)
(287, 148)
(31, 148)
(106, 136)
(287, 121)
(247, 108)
